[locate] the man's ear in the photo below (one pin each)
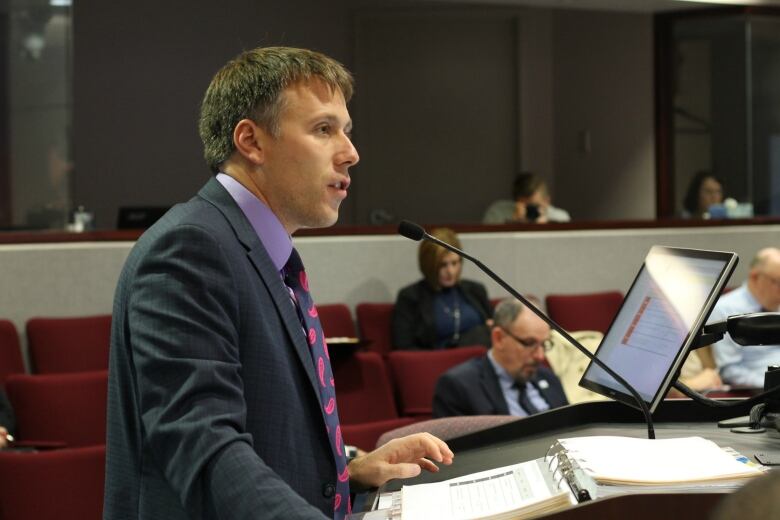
(249, 140)
(496, 335)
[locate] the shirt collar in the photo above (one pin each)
(266, 224)
(501, 372)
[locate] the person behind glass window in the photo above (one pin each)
(705, 190)
(531, 203)
(441, 310)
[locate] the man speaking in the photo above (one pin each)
(221, 396)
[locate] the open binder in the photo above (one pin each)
(524, 490)
(662, 464)
(576, 470)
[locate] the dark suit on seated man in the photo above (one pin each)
(508, 380)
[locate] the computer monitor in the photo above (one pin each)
(663, 312)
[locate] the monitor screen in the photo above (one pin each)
(665, 308)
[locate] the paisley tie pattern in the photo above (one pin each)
(296, 281)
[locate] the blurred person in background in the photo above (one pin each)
(442, 310)
(531, 204)
(704, 191)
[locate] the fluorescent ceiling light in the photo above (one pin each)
(60, 3)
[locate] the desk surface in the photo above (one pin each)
(531, 437)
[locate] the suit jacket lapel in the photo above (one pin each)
(491, 387)
(216, 194)
(548, 393)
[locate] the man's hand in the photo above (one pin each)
(400, 458)
(520, 212)
(3, 438)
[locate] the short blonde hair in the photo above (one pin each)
(430, 255)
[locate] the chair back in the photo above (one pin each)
(447, 428)
(60, 407)
(374, 322)
(363, 389)
(415, 373)
(59, 345)
(336, 320)
(53, 485)
(593, 311)
(11, 361)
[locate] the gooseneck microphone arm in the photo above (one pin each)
(415, 232)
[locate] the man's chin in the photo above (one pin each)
(322, 221)
(528, 373)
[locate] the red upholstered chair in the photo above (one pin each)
(53, 485)
(11, 361)
(365, 399)
(374, 324)
(593, 311)
(336, 320)
(415, 373)
(70, 408)
(60, 345)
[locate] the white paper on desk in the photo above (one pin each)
(628, 460)
(478, 494)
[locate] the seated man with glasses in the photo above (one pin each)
(745, 366)
(511, 378)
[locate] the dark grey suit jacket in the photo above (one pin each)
(472, 388)
(213, 409)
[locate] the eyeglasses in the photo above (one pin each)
(546, 344)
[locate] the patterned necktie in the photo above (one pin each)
(295, 279)
(524, 401)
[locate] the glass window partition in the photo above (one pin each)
(37, 114)
(721, 101)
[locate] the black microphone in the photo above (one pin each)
(415, 232)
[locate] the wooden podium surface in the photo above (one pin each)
(530, 438)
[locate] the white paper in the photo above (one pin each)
(477, 495)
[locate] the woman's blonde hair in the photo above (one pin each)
(430, 255)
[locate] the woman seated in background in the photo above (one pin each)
(441, 310)
(704, 191)
(531, 204)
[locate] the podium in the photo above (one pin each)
(531, 437)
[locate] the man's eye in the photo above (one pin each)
(324, 129)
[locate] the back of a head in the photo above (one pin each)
(765, 257)
(250, 87)
(756, 500)
(429, 254)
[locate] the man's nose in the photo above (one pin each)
(350, 155)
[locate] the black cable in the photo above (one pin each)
(699, 398)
